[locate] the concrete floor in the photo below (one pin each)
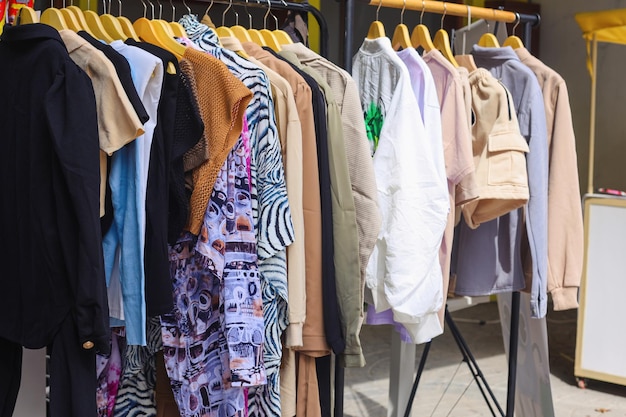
(447, 387)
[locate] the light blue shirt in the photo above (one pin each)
(125, 242)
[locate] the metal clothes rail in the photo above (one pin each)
(438, 7)
(285, 5)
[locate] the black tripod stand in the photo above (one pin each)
(469, 359)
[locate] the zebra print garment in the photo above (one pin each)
(270, 208)
(136, 396)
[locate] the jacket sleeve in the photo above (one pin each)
(537, 208)
(565, 220)
(71, 116)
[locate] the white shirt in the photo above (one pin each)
(403, 272)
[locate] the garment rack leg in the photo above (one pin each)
(513, 342)
(420, 370)
(468, 358)
(339, 389)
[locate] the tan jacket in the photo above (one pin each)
(565, 220)
(290, 135)
(118, 123)
(345, 232)
(499, 152)
(360, 165)
(313, 334)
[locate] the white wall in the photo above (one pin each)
(563, 49)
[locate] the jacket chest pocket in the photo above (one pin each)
(506, 156)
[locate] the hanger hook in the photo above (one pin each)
(286, 6)
(249, 15)
(151, 7)
(208, 8)
(269, 4)
(173, 11)
(145, 8)
(187, 7)
(275, 20)
(517, 19)
(230, 4)
(160, 9)
(445, 10)
(402, 12)
(119, 8)
(423, 10)
(380, 3)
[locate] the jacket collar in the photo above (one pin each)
(376, 46)
(303, 53)
(30, 32)
(493, 56)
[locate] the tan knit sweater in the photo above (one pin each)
(222, 100)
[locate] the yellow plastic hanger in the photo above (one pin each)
(281, 36)
(376, 29)
(80, 17)
(127, 27)
(156, 35)
(401, 38)
(223, 31)
(241, 33)
(161, 22)
(488, 39)
(255, 35)
(267, 34)
(70, 19)
(513, 41)
(28, 15)
(421, 35)
(177, 28)
(53, 17)
(111, 25)
(442, 41)
(96, 26)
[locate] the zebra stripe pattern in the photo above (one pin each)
(136, 396)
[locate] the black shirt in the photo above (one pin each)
(50, 187)
(159, 299)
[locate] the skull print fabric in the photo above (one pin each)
(213, 340)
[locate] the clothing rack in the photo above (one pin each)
(396, 399)
(438, 7)
(286, 5)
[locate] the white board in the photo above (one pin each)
(601, 339)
